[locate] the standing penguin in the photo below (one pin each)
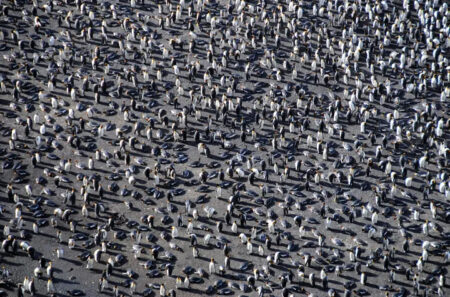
(363, 279)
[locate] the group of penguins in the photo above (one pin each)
(224, 147)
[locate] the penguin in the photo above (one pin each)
(97, 255)
(50, 270)
(312, 280)
(212, 266)
(363, 278)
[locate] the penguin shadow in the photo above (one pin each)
(96, 270)
(177, 202)
(372, 274)
(202, 258)
(119, 272)
(100, 170)
(72, 261)
(402, 259)
(108, 198)
(240, 260)
(348, 277)
(10, 263)
(6, 65)
(87, 97)
(78, 248)
(332, 281)
(26, 141)
(228, 276)
(373, 286)
(279, 266)
(44, 165)
(241, 271)
(64, 187)
(437, 237)
(193, 290)
(135, 153)
(413, 228)
(135, 209)
(416, 188)
(215, 157)
(285, 266)
(37, 255)
(252, 205)
(308, 238)
(41, 233)
(375, 268)
(122, 274)
(434, 262)
(4, 219)
(402, 284)
(183, 239)
(356, 222)
(229, 233)
(60, 94)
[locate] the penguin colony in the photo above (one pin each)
(203, 147)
